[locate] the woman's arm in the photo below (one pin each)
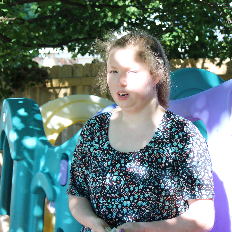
(198, 218)
(83, 212)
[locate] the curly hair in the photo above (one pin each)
(150, 52)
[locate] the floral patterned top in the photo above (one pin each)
(153, 183)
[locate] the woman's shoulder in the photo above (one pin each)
(99, 118)
(175, 119)
(97, 121)
(179, 123)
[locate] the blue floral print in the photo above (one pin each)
(153, 183)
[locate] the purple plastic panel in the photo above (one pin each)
(63, 172)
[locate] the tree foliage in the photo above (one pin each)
(186, 28)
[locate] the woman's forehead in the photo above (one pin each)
(126, 58)
(126, 53)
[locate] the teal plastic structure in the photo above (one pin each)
(33, 168)
(186, 82)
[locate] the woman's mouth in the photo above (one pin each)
(122, 95)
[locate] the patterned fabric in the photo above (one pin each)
(153, 183)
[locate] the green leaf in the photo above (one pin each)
(184, 25)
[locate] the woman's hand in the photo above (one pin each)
(198, 218)
(98, 225)
(131, 227)
(83, 212)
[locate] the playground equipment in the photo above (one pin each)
(33, 168)
(190, 81)
(59, 114)
(186, 82)
(214, 108)
(63, 112)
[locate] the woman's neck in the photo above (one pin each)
(148, 116)
(131, 132)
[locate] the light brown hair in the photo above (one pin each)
(150, 52)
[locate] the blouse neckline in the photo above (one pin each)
(159, 129)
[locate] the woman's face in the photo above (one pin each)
(130, 81)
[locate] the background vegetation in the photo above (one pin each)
(186, 28)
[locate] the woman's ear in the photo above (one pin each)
(156, 79)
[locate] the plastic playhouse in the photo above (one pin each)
(34, 169)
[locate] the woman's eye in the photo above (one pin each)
(113, 71)
(132, 71)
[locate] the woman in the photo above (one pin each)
(140, 167)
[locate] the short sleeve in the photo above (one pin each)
(195, 169)
(79, 169)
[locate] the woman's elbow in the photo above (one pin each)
(207, 217)
(209, 223)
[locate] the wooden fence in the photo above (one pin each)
(78, 79)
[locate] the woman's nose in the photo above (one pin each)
(122, 80)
